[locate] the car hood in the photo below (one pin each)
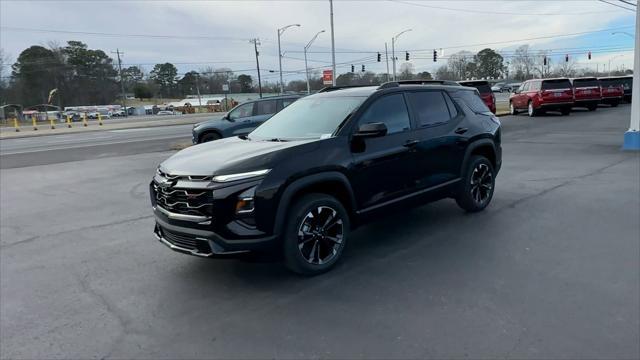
(231, 155)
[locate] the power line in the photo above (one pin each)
(616, 5)
(628, 2)
(492, 12)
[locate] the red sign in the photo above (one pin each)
(327, 77)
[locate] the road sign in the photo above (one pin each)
(225, 87)
(327, 77)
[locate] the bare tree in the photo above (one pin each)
(523, 62)
(539, 68)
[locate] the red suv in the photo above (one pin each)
(612, 90)
(540, 95)
(587, 92)
(485, 92)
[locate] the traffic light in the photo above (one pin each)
(406, 56)
(379, 57)
(566, 58)
(589, 55)
(363, 68)
(545, 61)
(435, 55)
(353, 68)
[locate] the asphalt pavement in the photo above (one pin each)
(549, 270)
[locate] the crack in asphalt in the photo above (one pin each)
(121, 317)
(97, 226)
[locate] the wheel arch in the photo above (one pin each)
(484, 147)
(210, 131)
(333, 183)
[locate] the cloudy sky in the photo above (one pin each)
(198, 34)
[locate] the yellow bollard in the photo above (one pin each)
(35, 124)
(84, 119)
(51, 122)
(69, 121)
(15, 124)
(99, 119)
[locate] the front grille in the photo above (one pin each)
(186, 241)
(197, 202)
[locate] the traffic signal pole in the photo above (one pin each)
(632, 136)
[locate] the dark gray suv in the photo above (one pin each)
(242, 119)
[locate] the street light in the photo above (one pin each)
(393, 51)
(623, 33)
(615, 57)
(280, 31)
(306, 67)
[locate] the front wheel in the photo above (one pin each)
(512, 108)
(209, 137)
(615, 104)
(476, 191)
(566, 111)
(315, 234)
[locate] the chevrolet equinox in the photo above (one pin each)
(300, 182)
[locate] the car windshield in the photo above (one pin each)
(309, 118)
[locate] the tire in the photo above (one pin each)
(210, 136)
(592, 107)
(512, 109)
(530, 110)
(566, 111)
(615, 104)
(321, 246)
(476, 190)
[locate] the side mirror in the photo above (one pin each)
(371, 130)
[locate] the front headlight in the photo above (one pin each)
(240, 176)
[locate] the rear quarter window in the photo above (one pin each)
(471, 100)
(556, 84)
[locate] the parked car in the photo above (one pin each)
(625, 81)
(484, 89)
(514, 87)
(117, 113)
(103, 114)
(242, 119)
(540, 95)
(304, 179)
(612, 91)
(165, 112)
(586, 92)
(502, 87)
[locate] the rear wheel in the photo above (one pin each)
(476, 191)
(566, 111)
(315, 234)
(592, 107)
(615, 103)
(209, 137)
(530, 110)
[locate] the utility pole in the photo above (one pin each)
(632, 136)
(280, 32)
(386, 55)
(333, 46)
(124, 97)
(198, 91)
(393, 51)
(256, 42)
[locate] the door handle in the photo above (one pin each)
(461, 130)
(410, 143)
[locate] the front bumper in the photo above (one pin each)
(206, 243)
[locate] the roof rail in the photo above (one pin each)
(393, 84)
(334, 88)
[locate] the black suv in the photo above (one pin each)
(305, 178)
(242, 119)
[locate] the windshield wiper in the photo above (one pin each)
(277, 140)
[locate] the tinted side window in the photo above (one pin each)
(430, 107)
(287, 102)
(266, 107)
(390, 110)
(472, 100)
(556, 84)
(242, 111)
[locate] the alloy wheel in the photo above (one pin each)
(481, 183)
(512, 109)
(530, 109)
(320, 235)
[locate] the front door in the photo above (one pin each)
(383, 166)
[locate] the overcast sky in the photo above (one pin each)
(217, 33)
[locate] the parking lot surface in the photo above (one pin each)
(549, 270)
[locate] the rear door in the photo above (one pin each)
(440, 137)
(383, 166)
